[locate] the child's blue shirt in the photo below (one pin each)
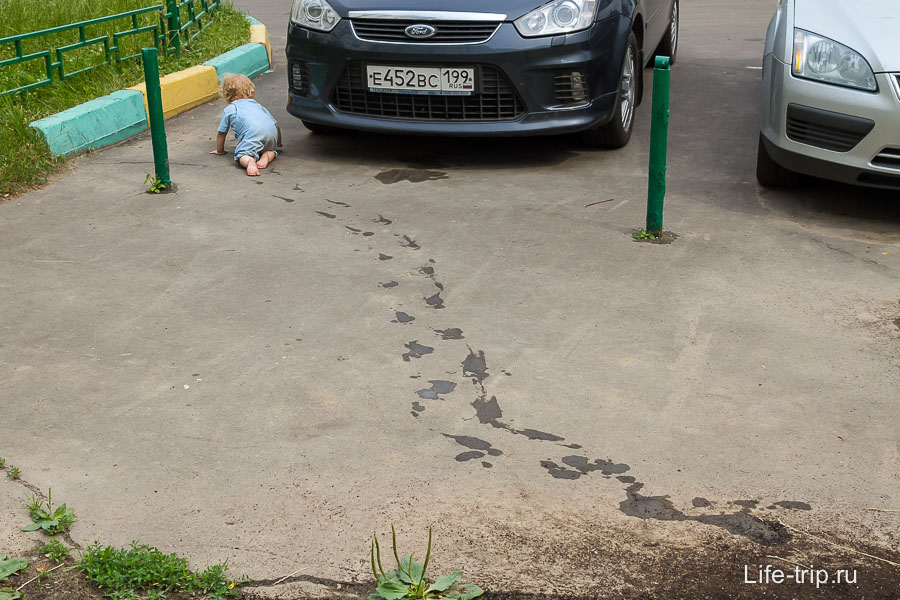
(254, 128)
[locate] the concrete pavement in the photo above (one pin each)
(231, 371)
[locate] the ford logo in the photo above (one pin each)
(420, 32)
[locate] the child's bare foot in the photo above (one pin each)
(265, 159)
(248, 163)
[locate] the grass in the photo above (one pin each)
(54, 550)
(140, 571)
(25, 160)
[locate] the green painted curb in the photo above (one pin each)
(249, 59)
(99, 122)
(253, 21)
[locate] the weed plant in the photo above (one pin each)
(141, 570)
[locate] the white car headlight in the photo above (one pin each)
(561, 16)
(314, 14)
(822, 59)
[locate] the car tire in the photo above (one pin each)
(319, 129)
(617, 132)
(669, 44)
(769, 173)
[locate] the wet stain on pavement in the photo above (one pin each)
(416, 350)
(700, 502)
(660, 508)
(402, 317)
(435, 301)
(283, 198)
(576, 466)
(384, 256)
(382, 220)
(412, 175)
(475, 366)
(408, 242)
(792, 505)
(470, 455)
(353, 229)
(368, 233)
(390, 284)
(486, 464)
(534, 434)
(344, 204)
(438, 388)
(417, 408)
(450, 334)
(474, 443)
(325, 214)
(426, 270)
(489, 412)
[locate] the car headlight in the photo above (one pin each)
(561, 16)
(822, 59)
(314, 14)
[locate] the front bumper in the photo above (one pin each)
(529, 66)
(818, 146)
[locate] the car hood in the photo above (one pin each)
(513, 9)
(870, 27)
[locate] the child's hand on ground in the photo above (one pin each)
(219, 153)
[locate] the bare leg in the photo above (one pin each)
(249, 163)
(264, 160)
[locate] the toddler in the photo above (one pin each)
(256, 131)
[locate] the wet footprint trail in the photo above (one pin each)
(735, 517)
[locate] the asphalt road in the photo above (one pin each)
(430, 331)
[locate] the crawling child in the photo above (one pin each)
(256, 131)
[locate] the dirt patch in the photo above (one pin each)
(712, 572)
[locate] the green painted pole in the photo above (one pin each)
(155, 112)
(659, 141)
(174, 26)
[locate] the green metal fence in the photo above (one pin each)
(47, 56)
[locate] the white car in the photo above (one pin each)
(831, 93)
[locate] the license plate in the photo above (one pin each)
(435, 81)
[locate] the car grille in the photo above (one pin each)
(889, 157)
(495, 100)
(571, 88)
(448, 32)
(299, 78)
(825, 129)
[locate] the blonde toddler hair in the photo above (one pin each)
(237, 87)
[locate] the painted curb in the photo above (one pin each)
(260, 35)
(94, 124)
(120, 115)
(250, 59)
(185, 89)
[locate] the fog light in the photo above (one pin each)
(579, 87)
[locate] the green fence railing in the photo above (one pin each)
(43, 57)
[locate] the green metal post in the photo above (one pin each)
(174, 26)
(659, 140)
(155, 112)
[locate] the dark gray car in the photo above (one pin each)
(476, 67)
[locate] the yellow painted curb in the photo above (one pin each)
(185, 89)
(260, 35)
